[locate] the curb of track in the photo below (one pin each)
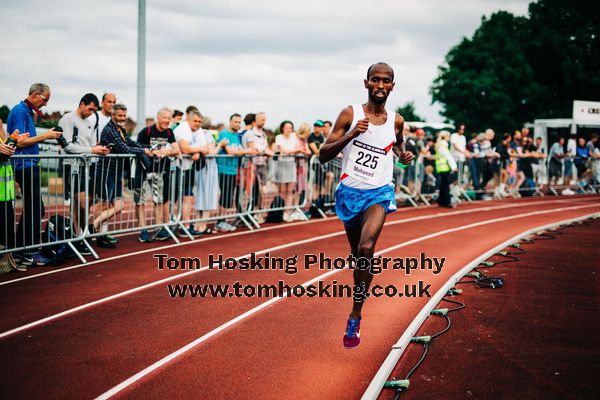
(382, 375)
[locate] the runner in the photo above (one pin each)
(366, 134)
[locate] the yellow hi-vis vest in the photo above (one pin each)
(441, 163)
(7, 182)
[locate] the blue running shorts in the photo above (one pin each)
(351, 203)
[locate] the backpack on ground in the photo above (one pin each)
(58, 228)
(276, 216)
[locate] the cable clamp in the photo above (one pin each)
(454, 292)
(420, 339)
(400, 384)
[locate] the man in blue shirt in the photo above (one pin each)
(228, 166)
(27, 171)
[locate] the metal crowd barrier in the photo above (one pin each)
(31, 221)
(323, 180)
(120, 194)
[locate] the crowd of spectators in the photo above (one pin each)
(218, 173)
(224, 174)
(490, 166)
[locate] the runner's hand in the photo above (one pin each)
(406, 157)
(361, 127)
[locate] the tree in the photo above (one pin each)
(408, 112)
(516, 69)
(563, 49)
(486, 80)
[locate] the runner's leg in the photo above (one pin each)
(372, 223)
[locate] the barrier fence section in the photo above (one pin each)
(33, 206)
(63, 202)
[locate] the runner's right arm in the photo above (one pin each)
(340, 135)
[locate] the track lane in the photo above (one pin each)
(303, 357)
(114, 335)
(93, 285)
(125, 248)
(90, 288)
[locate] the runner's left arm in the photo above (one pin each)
(404, 156)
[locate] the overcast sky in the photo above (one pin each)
(297, 60)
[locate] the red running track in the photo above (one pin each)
(539, 328)
(291, 349)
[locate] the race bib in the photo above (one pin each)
(366, 163)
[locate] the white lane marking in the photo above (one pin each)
(184, 274)
(146, 371)
(169, 246)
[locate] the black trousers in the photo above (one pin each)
(444, 195)
(7, 224)
(29, 231)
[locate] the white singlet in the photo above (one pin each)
(368, 161)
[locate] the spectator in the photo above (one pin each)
(503, 151)
(459, 152)
(7, 196)
(176, 119)
(257, 139)
(288, 146)
(228, 166)
(429, 180)
(516, 153)
(247, 174)
(109, 182)
(80, 138)
(582, 156)
(427, 152)
(301, 166)
(27, 171)
(592, 143)
(161, 140)
(192, 142)
(483, 155)
(318, 171)
(189, 109)
(326, 128)
(444, 163)
(595, 156)
(539, 164)
(249, 121)
(527, 157)
(569, 157)
(555, 165)
(410, 144)
(458, 145)
(494, 161)
(207, 181)
(103, 117)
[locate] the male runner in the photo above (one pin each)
(366, 134)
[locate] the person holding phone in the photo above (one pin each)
(79, 138)
(109, 185)
(27, 171)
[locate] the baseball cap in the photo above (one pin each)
(318, 123)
